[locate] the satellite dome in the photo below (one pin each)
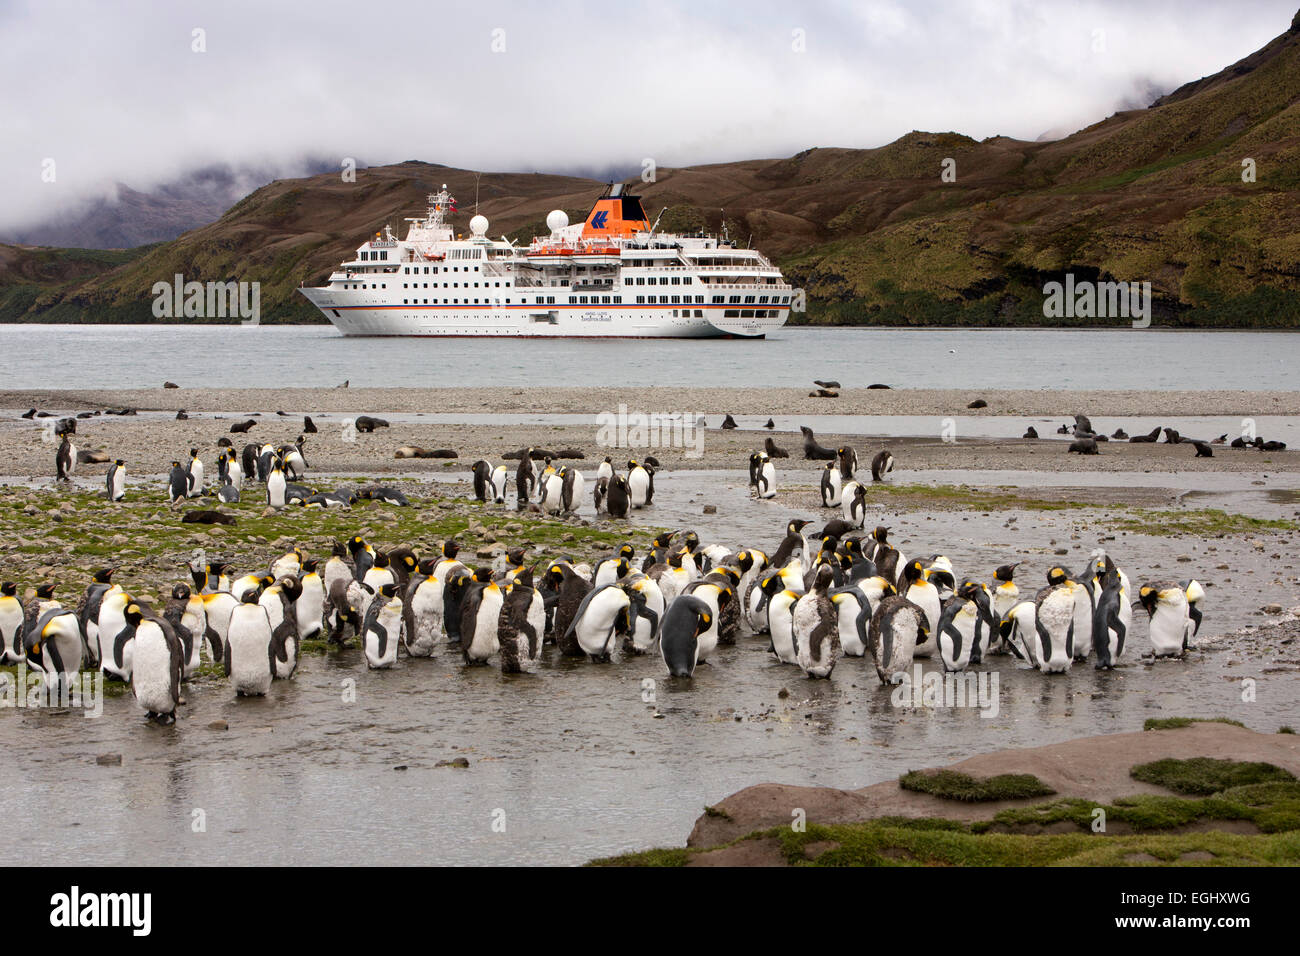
(556, 220)
(478, 225)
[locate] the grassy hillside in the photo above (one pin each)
(873, 236)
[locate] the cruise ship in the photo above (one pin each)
(614, 275)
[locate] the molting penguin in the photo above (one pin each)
(194, 474)
(925, 596)
(816, 628)
(156, 676)
(618, 497)
(178, 483)
(831, 486)
(684, 621)
(1195, 592)
(115, 480)
(65, 460)
(482, 472)
(762, 476)
(500, 475)
(605, 613)
(1109, 627)
(962, 632)
(1054, 609)
(1166, 605)
(381, 632)
(115, 636)
(897, 627)
(12, 620)
(248, 652)
(275, 485)
(424, 612)
(521, 625)
(53, 643)
(853, 496)
(640, 486)
(480, 617)
(881, 465)
(571, 485)
(189, 622)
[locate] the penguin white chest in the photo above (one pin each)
(151, 675)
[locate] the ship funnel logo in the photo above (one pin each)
(598, 220)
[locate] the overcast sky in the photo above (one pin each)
(115, 92)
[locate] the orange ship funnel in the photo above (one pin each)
(615, 215)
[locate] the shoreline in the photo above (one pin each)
(738, 401)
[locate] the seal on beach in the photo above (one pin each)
(1150, 438)
(773, 449)
(1030, 432)
(728, 422)
(1083, 446)
(813, 451)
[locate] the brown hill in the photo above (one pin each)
(873, 235)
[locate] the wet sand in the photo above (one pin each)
(151, 439)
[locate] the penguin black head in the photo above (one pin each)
(1058, 575)
(409, 560)
(675, 559)
(622, 566)
(251, 595)
(119, 462)
(1006, 572)
(483, 575)
(8, 589)
(181, 592)
(797, 525)
(194, 453)
(103, 576)
(880, 534)
(45, 592)
(1149, 597)
(772, 584)
(381, 560)
(631, 463)
(337, 550)
(515, 556)
(450, 549)
(691, 541)
(133, 615)
(388, 590)
(310, 566)
(914, 571)
(554, 575)
(524, 579)
(664, 539)
(627, 552)
(744, 561)
(176, 464)
(427, 565)
(608, 460)
(291, 586)
(731, 574)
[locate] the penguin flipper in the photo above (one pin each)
(119, 644)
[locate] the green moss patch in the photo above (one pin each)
(1173, 723)
(951, 785)
(1202, 776)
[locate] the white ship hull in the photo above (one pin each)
(352, 315)
(612, 276)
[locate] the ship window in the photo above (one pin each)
(618, 298)
(582, 300)
(749, 299)
(762, 298)
(747, 314)
(539, 300)
(570, 300)
(734, 299)
(699, 313)
(731, 314)
(550, 300)
(674, 313)
(640, 300)
(677, 298)
(719, 299)
(686, 280)
(677, 280)
(604, 299)
(384, 256)
(640, 280)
